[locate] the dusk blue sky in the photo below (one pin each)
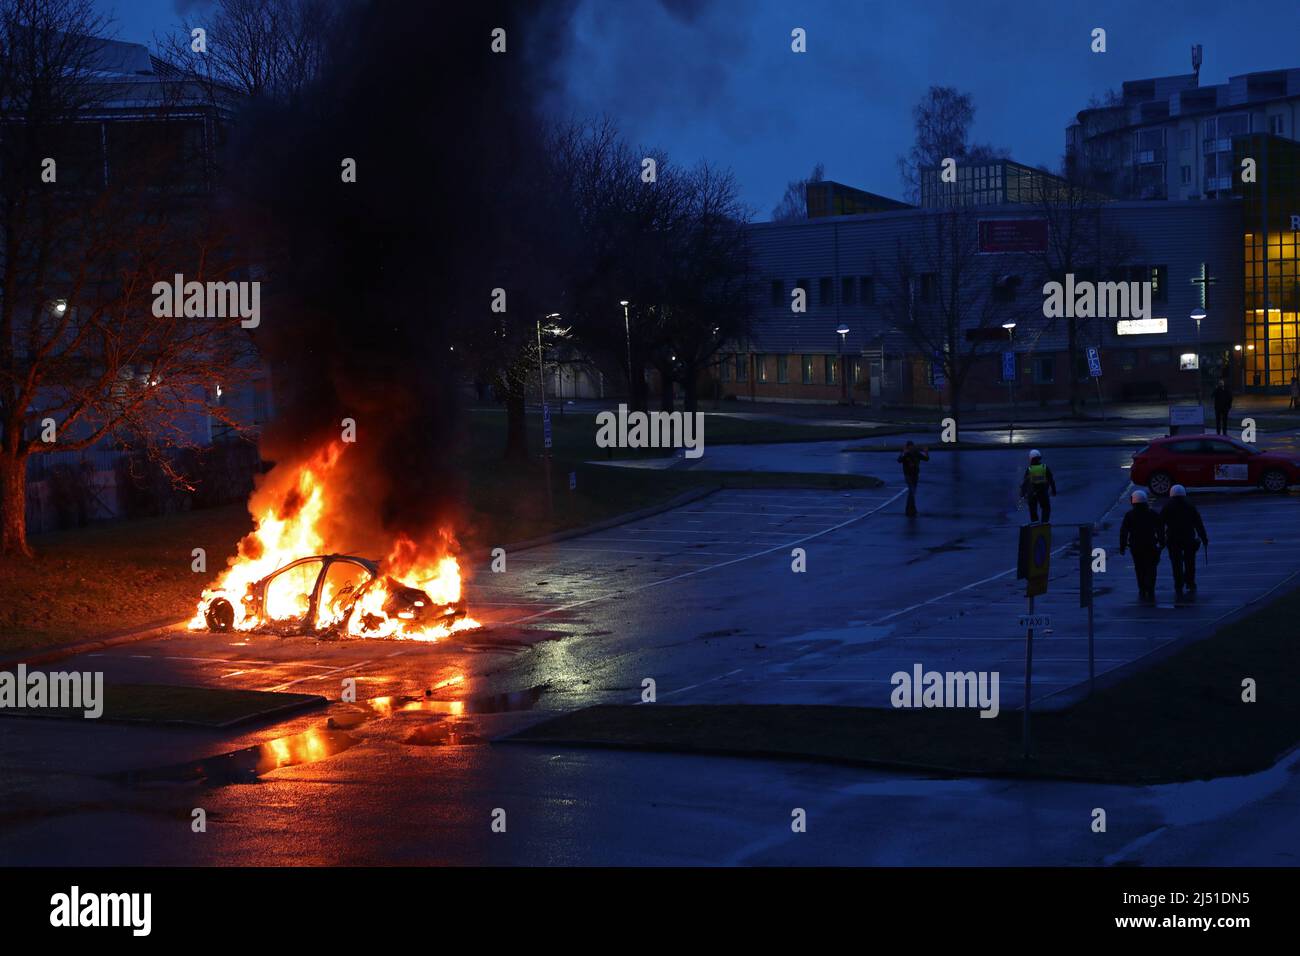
(717, 80)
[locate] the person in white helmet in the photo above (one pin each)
(1184, 533)
(1036, 485)
(1143, 531)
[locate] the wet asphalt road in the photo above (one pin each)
(704, 601)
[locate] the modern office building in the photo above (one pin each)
(1270, 307)
(977, 254)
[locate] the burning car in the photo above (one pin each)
(281, 581)
(332, 595)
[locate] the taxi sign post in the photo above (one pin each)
(1033, 563)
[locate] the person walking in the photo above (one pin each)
(911, 459)
(1143, 532)
(1184, 532)
(1038, 486)
(1222, 405)
(1295, 392)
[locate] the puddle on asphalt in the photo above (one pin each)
(482, 704)
(443, 733)
(249, 763)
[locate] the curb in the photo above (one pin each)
(45, 655)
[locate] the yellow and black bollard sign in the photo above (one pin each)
(1034, 559)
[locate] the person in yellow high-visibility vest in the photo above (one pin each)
(1038, 486)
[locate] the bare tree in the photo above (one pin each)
(794, 204)
(270, 49)
(1079, 241)
(943, 118)
(84, 235)
(939, 290)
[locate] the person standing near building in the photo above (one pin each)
(1144, 533)
(1222, 405)
(1295, 392)
(1038, 486)
(1182, 528)
(911, 459)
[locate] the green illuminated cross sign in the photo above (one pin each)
(1204, 280)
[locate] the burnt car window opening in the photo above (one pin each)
(289, 592)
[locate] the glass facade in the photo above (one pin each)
(1270, 347)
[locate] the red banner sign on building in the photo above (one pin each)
(1013, 235)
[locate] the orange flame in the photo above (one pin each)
(382, 606)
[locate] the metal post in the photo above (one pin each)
(1029, 670)
(1011, 385)
(546, 452)
(1091, 665)
(627, 336)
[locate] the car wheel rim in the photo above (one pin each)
(1274, 482)
(1160, 484)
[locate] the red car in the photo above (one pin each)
(1211, 461)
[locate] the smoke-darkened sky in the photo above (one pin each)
(717, 80)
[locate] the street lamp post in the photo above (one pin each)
(1198, 316)
(843, 332)
(1011, 382)
(627, 337)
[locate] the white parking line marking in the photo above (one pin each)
(714, 567)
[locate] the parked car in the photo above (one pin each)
(1212, 461)
(320, 595)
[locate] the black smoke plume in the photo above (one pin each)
(366, 282)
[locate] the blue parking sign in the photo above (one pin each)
(1094, 363)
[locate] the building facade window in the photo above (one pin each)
(1044, 369)
(742, 367)
(826, 291)
(724, 368)
(1216, 147)
(868, 288)
(806, 287)
(778, 292)
(832, 370)
(782, 369)
(1126, 359)
(808, 369)
(760, 367)
(847, 290)
(1185, 175)
(1276, 124)
(1160, 356)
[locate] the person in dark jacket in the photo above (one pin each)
(1036, 485)
(1183, 527)
(911, 459)
(1144, 533)
(1222, 405)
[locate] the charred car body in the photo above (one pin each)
(333, 595)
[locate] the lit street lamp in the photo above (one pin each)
(1198, 316)
(1011, 381)
(843, 332)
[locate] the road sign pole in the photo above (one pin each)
(1101, 401)
(1091, 673)
(1085, 589)
(1029, 671)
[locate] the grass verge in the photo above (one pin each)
(114, 577)
(1181, 719)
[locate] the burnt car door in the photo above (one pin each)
(340, 586)
(289, 595)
